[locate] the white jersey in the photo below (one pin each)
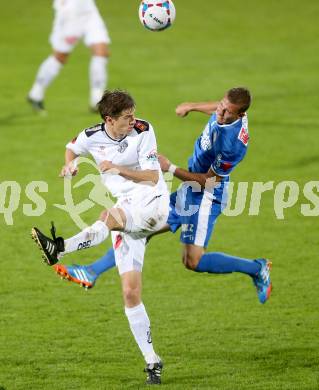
(136, 151)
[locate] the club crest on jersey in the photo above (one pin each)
(122, 146)
(205, 141)
(243, 136)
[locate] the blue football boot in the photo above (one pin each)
(77, 274)
(262, 280)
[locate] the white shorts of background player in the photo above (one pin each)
(67, 31)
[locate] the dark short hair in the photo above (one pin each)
(239, 96)
(113, 103)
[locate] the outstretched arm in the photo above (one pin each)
(206, 180)
(204, 107)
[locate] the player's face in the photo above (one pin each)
(124, 123)
(227, 112)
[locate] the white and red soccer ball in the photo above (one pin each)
(157, 15)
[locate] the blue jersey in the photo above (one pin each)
(221, 148)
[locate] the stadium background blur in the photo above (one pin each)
(210, 330)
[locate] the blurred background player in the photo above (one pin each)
(124, 148)
(217, 151)
(74, 20)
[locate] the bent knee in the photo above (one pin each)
(190, 262)
(61, 57)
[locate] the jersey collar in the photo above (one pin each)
(108, 136)
(229, 124)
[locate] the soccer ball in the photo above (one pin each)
(157, 15)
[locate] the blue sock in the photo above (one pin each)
(221, 263)
(103, 264)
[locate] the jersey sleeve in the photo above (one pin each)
(79, 144)
(226, 161)
(147, 152)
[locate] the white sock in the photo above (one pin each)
(91, 236)
(47, 72)
(140, 327)
(98, 78)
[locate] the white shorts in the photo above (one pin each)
(68, 31)
(144, 215)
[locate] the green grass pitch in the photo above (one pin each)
(210, 330)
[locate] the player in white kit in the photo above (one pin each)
(74, 20)
(124, 148)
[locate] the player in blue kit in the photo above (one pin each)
(200, 200)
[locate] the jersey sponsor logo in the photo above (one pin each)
(122, 146)
(243, 136)
(205, 140)
(141, 126)
(152, 156)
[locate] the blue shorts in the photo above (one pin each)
(195, 213)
